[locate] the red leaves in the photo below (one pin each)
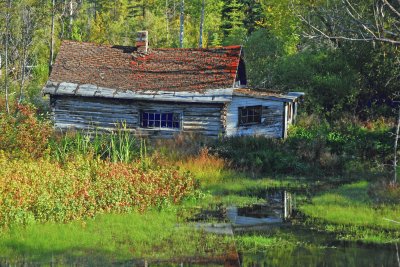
(22, 133)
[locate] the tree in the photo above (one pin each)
(182, 23)
(396, 137)
(7, 42)
(235, 32)
(202, 24)
(27, 35)
(51, 56)
(353, 20)
(376, 22)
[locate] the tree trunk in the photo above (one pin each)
(8, 14)
(71, 18)
(396, 140)
(202, 24)
(53, 4)
(182, 20)
(23, 67)
(167, 20)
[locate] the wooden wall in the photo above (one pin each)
(102, 114)
(271, 120)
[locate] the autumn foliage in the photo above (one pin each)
(41, 190)
(22, 134)
(35, 186)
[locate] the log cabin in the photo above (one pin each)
(162, 92)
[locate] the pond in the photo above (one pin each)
(264, 235)
(294, 245)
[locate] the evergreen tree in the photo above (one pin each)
(235, 32)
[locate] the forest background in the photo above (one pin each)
(342, 54)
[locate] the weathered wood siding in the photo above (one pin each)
(103, 114)
(272, 118)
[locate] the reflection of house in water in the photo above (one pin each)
(277, 209)
(161, 92)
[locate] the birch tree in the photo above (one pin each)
(203, 6)
(53, 13)
(182, 22)
(7, 42)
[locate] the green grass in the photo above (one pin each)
(349, 211)
(108, 239)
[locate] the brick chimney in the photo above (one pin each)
(142, 41)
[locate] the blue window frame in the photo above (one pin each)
(155, 119)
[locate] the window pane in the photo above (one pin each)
(160, 120)
(250, 115)
(169, 116)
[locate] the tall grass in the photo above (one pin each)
(118, 146)
(209, 169)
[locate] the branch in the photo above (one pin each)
(386, 219)
(392, 8)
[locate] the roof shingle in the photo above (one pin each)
(123, 68)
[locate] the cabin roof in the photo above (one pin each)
(272, 95)
(124, 69)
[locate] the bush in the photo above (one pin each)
(40, 190)
(385, 192)
(22, 134)
(313, 146)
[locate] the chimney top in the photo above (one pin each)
(142, 41)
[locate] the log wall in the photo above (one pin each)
(272, 117)
(102, 114)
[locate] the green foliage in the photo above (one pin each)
(117, 146)
(235, 32)
(312, 147)
(261, 53)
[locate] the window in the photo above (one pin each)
(154, 119)
(250, 115)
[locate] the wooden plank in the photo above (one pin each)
(91, 115)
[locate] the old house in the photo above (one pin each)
(161, 92)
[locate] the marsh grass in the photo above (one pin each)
(109, 239)
(350, 212)
(207, 168)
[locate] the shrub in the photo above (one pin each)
(22, 134)
(39, 190)
(385, 192)
(313, 146)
